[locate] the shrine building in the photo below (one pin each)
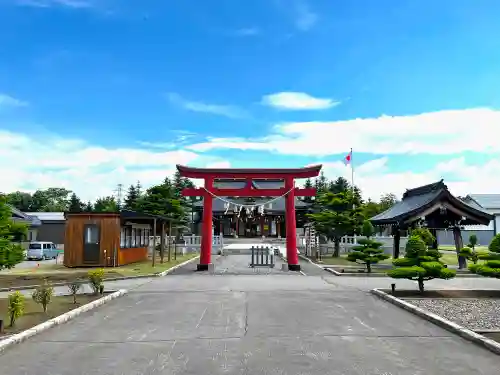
(250, 217)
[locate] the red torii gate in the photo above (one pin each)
(209, 191)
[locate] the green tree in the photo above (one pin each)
(370, 209)
(53, 199)
(321, 183)
(387, 201)
(20, 200)
(130, 202)
(469, 252)
(106, 204)
(339, 215)
(308, 185)
(160, 200)
(369, 252)
(88, 207)
(340, 185)
(10, 253)
(420, 264)
(75, 204)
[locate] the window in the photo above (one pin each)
(46, 246)
(35, 246)
(91, 234)
(122, 236)
(133, 238)
(128, 239)
(139, 237)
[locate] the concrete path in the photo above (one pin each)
(285, 323)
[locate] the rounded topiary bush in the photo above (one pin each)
(495, 244)
(420, 264)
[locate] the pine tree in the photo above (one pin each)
(130, 201)
(87, 207)
(369, 252)
(420, 264)
(308, 185)
(75, 204)
(138, 189)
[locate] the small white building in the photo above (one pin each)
(491, 204)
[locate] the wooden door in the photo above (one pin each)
(91, 244)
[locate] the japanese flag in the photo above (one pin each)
(347, 159)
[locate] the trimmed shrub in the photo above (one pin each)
(15, 307)
(491, 266)
(96, 278)
(420, 264)
(425, 234)
(74, 288)
(43, 295)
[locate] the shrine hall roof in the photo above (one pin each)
(416, 201)
(276, 206)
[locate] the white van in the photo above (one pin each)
(42, 250)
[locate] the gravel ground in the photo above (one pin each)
(474, 314)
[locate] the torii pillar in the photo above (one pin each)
(209, 192)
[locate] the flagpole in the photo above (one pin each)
(352, 180)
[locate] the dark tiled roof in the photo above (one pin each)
(21, 216)
(419, 199)
(487, 201)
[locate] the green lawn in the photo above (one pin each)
(452, 248)
(57, 273)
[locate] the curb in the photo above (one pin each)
(379, 274)
(159, 274)
(303, 257)
(467, 334)
(166, 272)
(22, 336)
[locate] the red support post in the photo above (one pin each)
(206, 232)
(291, 227)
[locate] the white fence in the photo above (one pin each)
(187, 243)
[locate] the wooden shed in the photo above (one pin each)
(99, 239)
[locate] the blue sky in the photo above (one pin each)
(411, 86)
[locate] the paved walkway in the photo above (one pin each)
(249, 324)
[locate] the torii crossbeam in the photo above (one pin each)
(289, 191)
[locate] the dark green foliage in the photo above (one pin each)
(491, 266)
(368, 253)
(340, 215)
(106, 204)
(75, 204)
(420, 264)
(10, 253)
(425, 234)
(472, 241)
(469, 254)
(130, 202)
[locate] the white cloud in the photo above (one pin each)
(51, 3)
(248, 31)
(89, 170)
(9, 101)
(215, 109)
(305, 17)
(297, 101)
(442, 132)
(462, 178)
